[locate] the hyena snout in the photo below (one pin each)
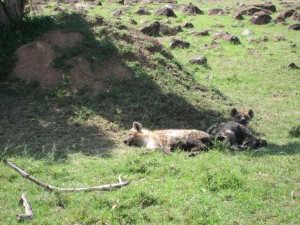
(128, 139)
(243, 120)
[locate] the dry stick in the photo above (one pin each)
(105, 187)
(28, 212)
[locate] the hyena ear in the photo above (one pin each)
(233, 112)
(137, 126)
(251, 113)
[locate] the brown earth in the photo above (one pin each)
(35, 63)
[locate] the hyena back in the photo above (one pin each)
(167, 140)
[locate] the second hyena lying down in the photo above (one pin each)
(167, 140)
(236, 133)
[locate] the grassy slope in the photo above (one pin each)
(214, 187)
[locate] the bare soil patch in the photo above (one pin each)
(35, 62)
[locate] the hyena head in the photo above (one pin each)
(242, 117)
(134, 136)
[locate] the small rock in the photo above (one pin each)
(132, 21)
(253, 52)
(116, 1)
(169, 31)
(293, 66)
(264, 38)
(178, 43)
(60, 8)
(280, 38)
(287, 13)
(201, 33)
(97, 2)
(165, 12)
(188, 25)
(238, 16)
(217, 12)
(80, 6)
(142, 12)
(227, 37)
(260, 18)
(202, 60)
(151, 29)
(267, 6)
(296, 16)
(280, 19)
(117, 12)
(191, 10)
(295, 26)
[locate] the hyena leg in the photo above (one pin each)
(197, 149)
(167, 150)
(250, 140)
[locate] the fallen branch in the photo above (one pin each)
(28, 212)
(105, 187)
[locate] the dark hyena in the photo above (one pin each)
(242, 117)
(168, 140)
(236, 132)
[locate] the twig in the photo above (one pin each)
(28, 212)
(105, 187)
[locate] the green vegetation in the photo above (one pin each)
(72, 139)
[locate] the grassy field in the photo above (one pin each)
(75, 140)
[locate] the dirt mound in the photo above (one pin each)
(35, 62)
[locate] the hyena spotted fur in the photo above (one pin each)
(237, 133)
(167, 140)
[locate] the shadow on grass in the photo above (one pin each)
(39, 122)
(273, 149)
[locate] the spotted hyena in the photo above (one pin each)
(167, 140)
(236, 133)
(242, 117)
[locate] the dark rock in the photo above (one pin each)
(178, 43)
(227, 37)
(191, 10)
(260, 18)
(217, 12)
(293, 66)
(151, 29)
(178, 28)
(280, 19)
(287, 13)
(142, 12)
(295, 26)
(238, 16)
(116, 1)
(130, 2)
(287, 4)
(60, 9)
(97, 2)
(168, 31)
(132, 21)
(201, 33)
(188, 25)
(296, 16)
(165, 12)
(280, 38)
(264, 38)
(248, 10)
(118, 12)
(202, 60)
(267, 6)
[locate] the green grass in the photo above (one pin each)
(74, 140)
